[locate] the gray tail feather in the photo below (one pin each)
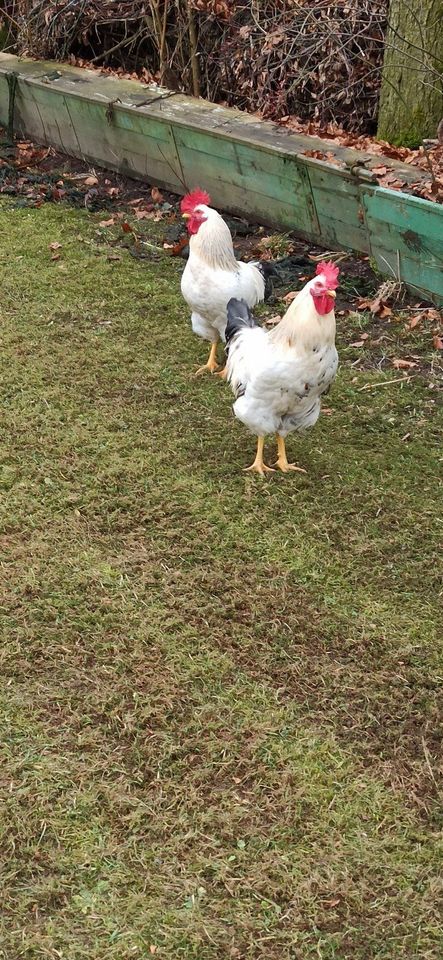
(239, 317)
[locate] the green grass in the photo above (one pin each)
(220, 697)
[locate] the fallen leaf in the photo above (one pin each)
(316, 154)
(152, 948)
(331, 903)
(55, 245)
(271, 320)
(178, 247)
(290, 296)
(107, 223)
(400, 364)
(438, 343)
(414, 322)
(126, 227)
(380, 171)
(358, 343)
(55, 256)
(145, 214)
(156, 195)
(91, 181)
(378, 306)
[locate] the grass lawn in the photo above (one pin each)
(220, 696)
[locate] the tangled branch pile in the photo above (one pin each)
(318, 59)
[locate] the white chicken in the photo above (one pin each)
(278, 377)
(212, 275)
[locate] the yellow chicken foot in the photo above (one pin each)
(259, 466)
(223, 373)
(211, 364)
(282, 461)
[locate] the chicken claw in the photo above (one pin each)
(282, 461)
(259, 466)
(211, 364)
(223, 374)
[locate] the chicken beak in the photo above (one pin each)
(331, 293)
(186, 216)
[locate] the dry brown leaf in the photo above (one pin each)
(332, 903)
(400, 364)
(55, 245)
(414, 321)
(126, 227)
(438, 343)
(384, 311)
(107, 223)
(272, 320)
(91, 181)
(156, 195)
(290, 296)
(358, 343)
(145, 214)
(177, 247)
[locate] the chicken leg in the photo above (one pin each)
(211, 363)
(282, 460)
(259, 466)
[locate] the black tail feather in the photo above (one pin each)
(269, 271)
(239, 317)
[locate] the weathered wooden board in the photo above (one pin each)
(406, 237)
(248, 166)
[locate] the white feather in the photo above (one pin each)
(281, 375)
(212, 276)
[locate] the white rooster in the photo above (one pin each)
(278, 377)
(212, 275)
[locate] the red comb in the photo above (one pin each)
(330, 272)
(193, 200)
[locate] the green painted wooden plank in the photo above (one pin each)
(412, 272)
(275, 187)
(405, 212)
(77, 129)
(406, 233)
(411, 244)
(233, 197)
(206, 158)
